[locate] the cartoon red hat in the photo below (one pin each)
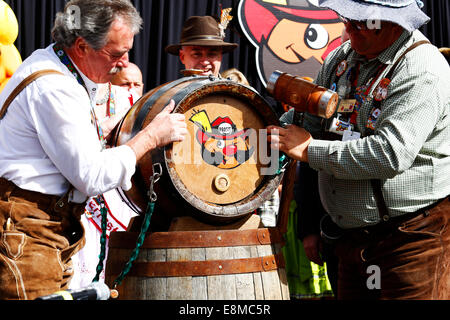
(265, 14)
(304, 10)
(223, 128)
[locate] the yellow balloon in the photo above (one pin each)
(3, 84)
(9, 27)
(10, 58)
(2, 73)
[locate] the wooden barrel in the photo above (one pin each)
(217, 173)
(200, 265)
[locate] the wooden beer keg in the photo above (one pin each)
(216, 173)
(200, 265)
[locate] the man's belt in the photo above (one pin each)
(331, 232)
(44, 201)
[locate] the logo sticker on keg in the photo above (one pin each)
(222, 144)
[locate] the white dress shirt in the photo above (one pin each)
(47, 140)
(119, 214)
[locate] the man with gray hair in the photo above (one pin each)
(52, 155)
(383, 160)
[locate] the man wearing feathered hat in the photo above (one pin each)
(383, 160)
(202, 44)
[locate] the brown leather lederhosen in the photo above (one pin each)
(39, 234)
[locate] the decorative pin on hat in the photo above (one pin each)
(225, 19)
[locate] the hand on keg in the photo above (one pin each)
(165, 128)
(292, 140)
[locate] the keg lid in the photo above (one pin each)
(327, 104)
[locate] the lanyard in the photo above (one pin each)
(100, 200)
(361, 98)
(111, 103)
(360, 93)
(353, 76)
(64, 58)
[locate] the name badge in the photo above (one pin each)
(339, 126)
(381, 91)
(342, 67)
(351, 135)
(373, 118)
(347, 106)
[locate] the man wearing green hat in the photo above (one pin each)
(383, 159)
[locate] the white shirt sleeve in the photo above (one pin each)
(63, 125)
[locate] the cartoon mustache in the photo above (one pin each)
(217, 158)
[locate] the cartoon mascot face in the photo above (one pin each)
(222, 144)
(292, 36)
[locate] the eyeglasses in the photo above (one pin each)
(362, 25)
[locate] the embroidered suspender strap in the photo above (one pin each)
(376, 183)
(22, 86)
(65, 60)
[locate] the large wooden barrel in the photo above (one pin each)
(217, 173)
(200, 265)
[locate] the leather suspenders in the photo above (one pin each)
(23, 85)
(376, 183)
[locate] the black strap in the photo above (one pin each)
(32, 77)
(379, 199)
(376, 183)
(415, 45)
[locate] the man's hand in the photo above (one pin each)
(292, 140)
(311, 244)
(164, 129)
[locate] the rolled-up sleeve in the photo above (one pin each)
(409, 116)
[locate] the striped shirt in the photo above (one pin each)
(410, 148)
